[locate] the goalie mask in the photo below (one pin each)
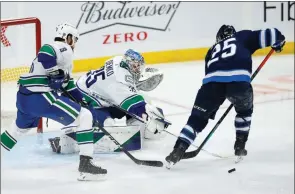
(135, 63)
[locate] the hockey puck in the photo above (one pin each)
(231, 170)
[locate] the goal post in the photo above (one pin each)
(12, 68)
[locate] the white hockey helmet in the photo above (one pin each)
(65, 29)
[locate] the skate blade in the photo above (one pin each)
(91, 177)
(168, 165)
(239, 159)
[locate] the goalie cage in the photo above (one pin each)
(10, 71)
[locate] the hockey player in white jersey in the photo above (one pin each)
(118, 81)
(38, 97)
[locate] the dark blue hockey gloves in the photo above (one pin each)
(278, 46)
(56, 79)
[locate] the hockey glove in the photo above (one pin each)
(56, 79)
(155, 119)
(149, 79)
(278, 46)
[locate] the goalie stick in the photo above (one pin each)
(192, 154)
(153, 163)
(166, 122)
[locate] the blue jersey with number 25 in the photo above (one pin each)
(230, 60)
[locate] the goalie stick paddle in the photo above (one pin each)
(191, 154)
(153, 163)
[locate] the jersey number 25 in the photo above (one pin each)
(92, 77)
(229, 49)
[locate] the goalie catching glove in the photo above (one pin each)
(149, 79)
(154, 118)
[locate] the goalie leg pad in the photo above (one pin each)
(66, 143)
(129, 136)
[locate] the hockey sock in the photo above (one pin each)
(187, 134)
(84, 134)
(7, 141)
(242, 124)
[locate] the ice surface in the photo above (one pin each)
(31, 168)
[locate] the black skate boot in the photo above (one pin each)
(240, 151)
(177, 153)
(89, 171)
(54, 143)
(241, 139)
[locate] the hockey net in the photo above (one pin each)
(20, 42)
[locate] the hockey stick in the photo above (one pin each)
(128, 113)
(153, 163)
(210, 153)
(194, 153)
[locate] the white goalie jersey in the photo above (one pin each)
(113, 82)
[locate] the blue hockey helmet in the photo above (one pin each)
(135, 62)
(224, 32)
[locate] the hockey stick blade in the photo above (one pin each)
(153, 163)
(192, 154)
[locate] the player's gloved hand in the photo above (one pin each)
(56, 79)
(155, 119)
(278, 46)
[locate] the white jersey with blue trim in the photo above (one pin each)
(113, 82)
(51, 57)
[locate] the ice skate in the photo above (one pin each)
(89, 171)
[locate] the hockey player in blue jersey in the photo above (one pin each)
(228, 69)
(37, 97)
